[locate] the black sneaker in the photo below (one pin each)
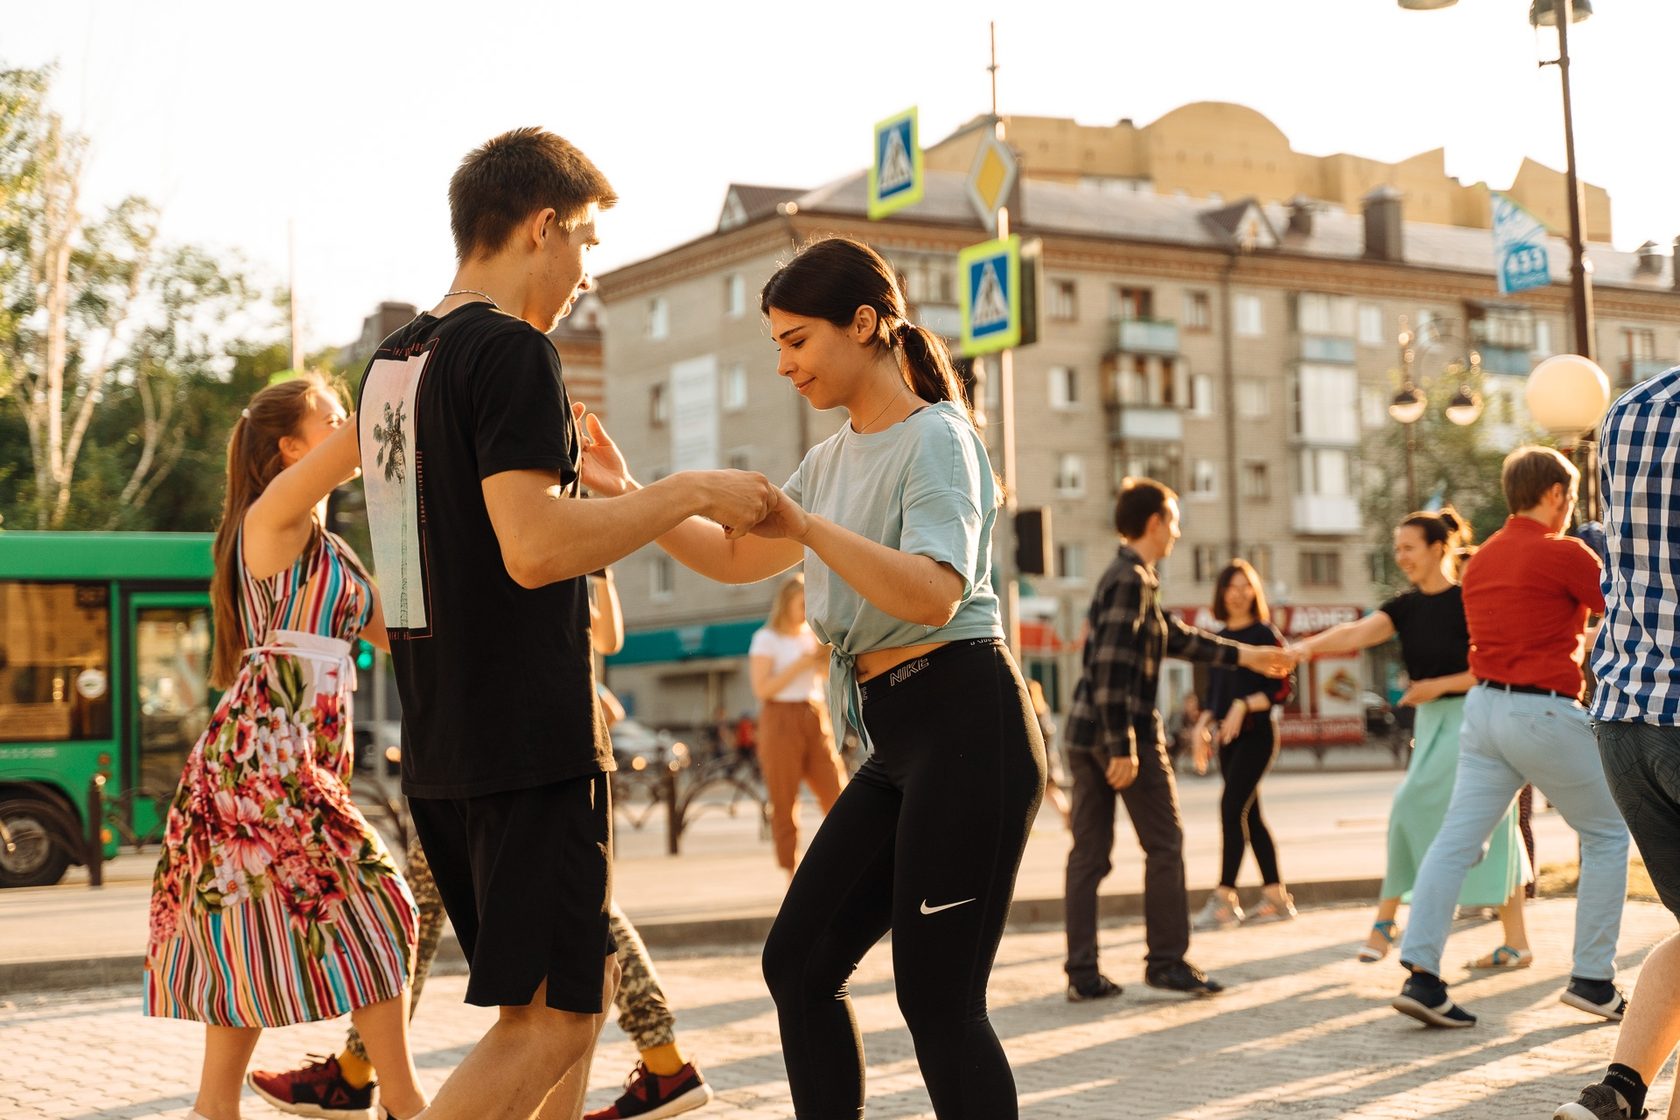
(1425, 999)
(1181, 976)
(1100, 988)
(1595, 997)
(1598, 1102)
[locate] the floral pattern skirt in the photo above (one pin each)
(274, 901)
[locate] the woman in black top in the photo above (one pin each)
(1435, 645)
(1241, 701)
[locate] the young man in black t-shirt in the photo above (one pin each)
(473, 462)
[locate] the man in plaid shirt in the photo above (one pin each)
(1116, 744)
(1636, 711)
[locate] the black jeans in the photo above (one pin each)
(924, 842)
(1642, 765)
(1152, 803)
(1243, 762)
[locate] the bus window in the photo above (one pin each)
(55, 671)
(172, 659)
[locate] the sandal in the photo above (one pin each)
(1391, 937)
(1503, 958)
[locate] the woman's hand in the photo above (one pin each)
(786, 519)
(1232, 725)
(1421, 692)
(1201, 745)
(604, 470)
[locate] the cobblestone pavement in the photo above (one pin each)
(1305, 1031)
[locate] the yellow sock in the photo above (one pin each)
(663, 1060)
(357, 1072)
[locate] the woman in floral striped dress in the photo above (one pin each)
(274, 901)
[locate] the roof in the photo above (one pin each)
(1088, 211)
(744, 202)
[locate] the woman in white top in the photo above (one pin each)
(795, 739)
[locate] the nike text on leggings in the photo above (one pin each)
(924, 842)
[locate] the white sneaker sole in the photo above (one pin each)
(1425, 1014)
(1611, 1011)
(1574, 1110)
(697, 1097)
(309, 1109)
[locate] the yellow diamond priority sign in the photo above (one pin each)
(990, 179)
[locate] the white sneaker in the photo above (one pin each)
(1218, 913)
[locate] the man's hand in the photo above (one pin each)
(1270, 661)
(737, 500)
(1122, 771)
(784, 519)
(1420, 692)
(604, 470)
(1201, 746)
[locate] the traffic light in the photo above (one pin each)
(1032, 542)
(364, 656)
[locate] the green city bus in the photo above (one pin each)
(104, 672)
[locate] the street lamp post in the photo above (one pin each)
(1412, 401)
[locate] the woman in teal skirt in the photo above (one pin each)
(1435, 645)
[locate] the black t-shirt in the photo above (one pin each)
(1434, 638)
(497, 681)
(1225, 684)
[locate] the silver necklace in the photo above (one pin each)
(894, 400)
(473, 292)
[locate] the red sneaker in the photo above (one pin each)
(318, 1089)
(648, 1096)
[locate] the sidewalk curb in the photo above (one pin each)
(65, 973)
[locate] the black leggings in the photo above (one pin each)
(1244, 761)
(924, 842)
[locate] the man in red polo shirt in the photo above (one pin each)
(1528, 594)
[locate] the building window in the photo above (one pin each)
(1372, 330)
(1325, 315)
(1639, 343)
(1321, 568)
(735, 388)
(734, 294)
(1070, 475)
(1254, 398)
(1064, 300)
(1204, 478)
(1070, 561)
(1250, 322)
(1201, 394)
(658, 318)
(664, 577)
(1159, 460)
(1373, 406)
(659, 405)
(1134, 303)
(1326, 404)
(1543, 338)
(1064, 387)
(1256, 479)
(1198, 313)
(1326, 472)
(1207, 560)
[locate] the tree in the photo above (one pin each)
(99, 320)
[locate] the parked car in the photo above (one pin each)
(636, 746)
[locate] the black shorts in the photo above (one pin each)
(526, 877)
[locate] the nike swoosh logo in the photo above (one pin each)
(926, 909)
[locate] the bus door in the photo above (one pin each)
(170, 700)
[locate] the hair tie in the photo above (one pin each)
(901, 329)
(244, 414)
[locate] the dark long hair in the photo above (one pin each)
(1240, 567)
(1445, 527)
(253, 460)
(832, 277)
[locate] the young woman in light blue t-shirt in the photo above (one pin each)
(892, 517)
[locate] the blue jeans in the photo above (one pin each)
(1510, 739)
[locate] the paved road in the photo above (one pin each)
(1304, 1032)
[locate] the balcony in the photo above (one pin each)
(1507, 359)
(1146, 336)
(1324, 348)
(1128, 422)
(1322, 514)
(1635, 370)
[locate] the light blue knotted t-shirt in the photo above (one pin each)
(923, 486)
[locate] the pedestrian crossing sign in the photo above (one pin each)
(895, 166)
(990, 296)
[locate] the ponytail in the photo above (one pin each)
(928, 367)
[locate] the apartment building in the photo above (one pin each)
(1241, 347)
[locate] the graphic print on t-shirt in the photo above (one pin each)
(389, 469)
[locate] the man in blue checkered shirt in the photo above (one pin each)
(1637, 710)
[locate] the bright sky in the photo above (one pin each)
(349, 117)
